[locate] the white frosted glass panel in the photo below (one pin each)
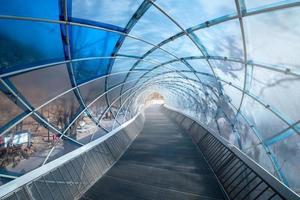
(194, 12)
(247, 135)
(154, 27)
(259, 154)
(233, 94)
(279, 90)
(107, 11)
(288, 155)
(230, 71)
(267, 123)
(223, 39)
(277, 42)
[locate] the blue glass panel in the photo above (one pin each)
(88, 42)
(38, 42)
(89, 69)
(35, 8)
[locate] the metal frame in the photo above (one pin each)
(241, 13)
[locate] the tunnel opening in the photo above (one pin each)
(78, 78)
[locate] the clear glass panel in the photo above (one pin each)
(92, 90)
(122, 65)
(279, 31)
(61, 111)
(20, 50)
(258, 3)
(113, 96)
(62, 147)
(8, 110)
(160, 56)
(200, 65)
(182, 47)
(288, 155)
(154, 26)
(196, 12)
(261, 118)
(83, 129)
(35, 8)
(112, 12)
(48, 83)
(134, 47)
(147, 64)
(223, 39)
(25, 147)
(275, 88)
(98, 107)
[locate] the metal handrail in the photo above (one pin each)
(221, 154)
(21, 182)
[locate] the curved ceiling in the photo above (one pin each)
(73, 70)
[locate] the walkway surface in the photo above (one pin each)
(162, 163)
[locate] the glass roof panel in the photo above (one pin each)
(223, 39)
(107, 11)
(154, 27)
(48, 83)
(182, 47)
(28, 49)
(275, 88)
(267, 123)
(8, 110)
(277, 42)
(259, 3)
(34, 9)
(196, 11)
(134, 47)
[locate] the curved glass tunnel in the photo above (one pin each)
(71, 71)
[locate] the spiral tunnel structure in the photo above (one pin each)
(72, 71)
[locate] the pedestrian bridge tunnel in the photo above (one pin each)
(149, 99)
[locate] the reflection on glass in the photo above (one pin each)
(61, 111)
(8, 110)
(26, 146)
(40, 90)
